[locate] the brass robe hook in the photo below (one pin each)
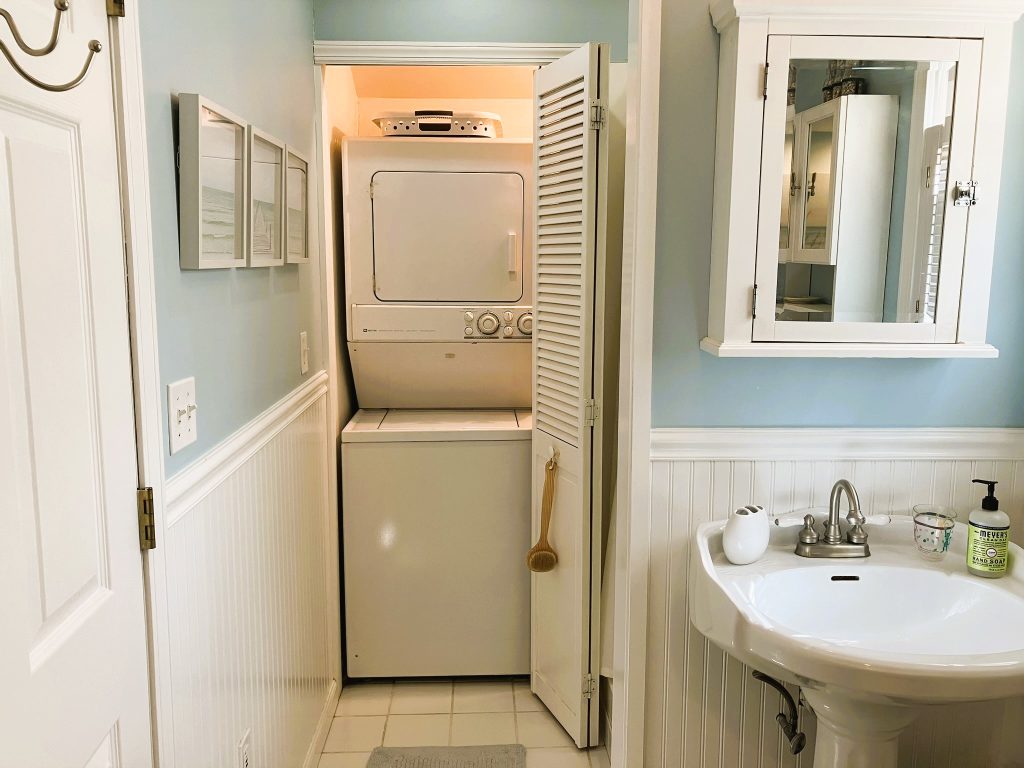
(61, 6)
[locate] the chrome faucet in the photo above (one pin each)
(831, 542)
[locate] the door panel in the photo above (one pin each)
(474, 252)
(570, 155)
(73, 652)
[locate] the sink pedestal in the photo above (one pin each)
(853, 733)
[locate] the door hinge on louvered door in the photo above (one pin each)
(589, 686)
(598, 114)
(147, 520)
(591, 412)
(115, 8)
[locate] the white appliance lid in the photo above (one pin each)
(413, 425)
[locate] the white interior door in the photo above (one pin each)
(570, 165)
(73, 640)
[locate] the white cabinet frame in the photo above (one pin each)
(982, 35)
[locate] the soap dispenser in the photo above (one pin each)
(988, 537)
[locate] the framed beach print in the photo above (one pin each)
(266, 199)
(213, 168)
(296, 195)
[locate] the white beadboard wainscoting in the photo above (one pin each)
(703, 708)
(247, 579)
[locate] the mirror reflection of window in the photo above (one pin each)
(864, 188)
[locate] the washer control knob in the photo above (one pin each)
(469, 330)
(469, 318)
(508, 330)
(508, 316)
(488, 324)
(526, 324)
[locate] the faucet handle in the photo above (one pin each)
(856, 534)
(807, 534)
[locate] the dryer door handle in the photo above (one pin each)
(513, 253)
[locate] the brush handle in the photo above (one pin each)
(547, 502)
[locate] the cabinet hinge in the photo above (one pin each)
(115, 7)
(965, 193)
(147, 520)
(764, 89)
(371, 190)
(589, 686)
(598, 114)
(591, 412)
(753, 303)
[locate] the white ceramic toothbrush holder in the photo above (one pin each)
(745, 537)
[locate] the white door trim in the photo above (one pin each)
(640, 202)
(133, 158)
(635, 366)
(398, 53)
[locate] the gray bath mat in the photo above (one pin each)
(503, 756)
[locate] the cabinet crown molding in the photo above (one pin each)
(725, 12)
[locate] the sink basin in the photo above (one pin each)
(869, 640)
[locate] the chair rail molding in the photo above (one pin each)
(197, 480)
(670, 444)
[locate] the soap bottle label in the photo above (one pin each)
(987, 548)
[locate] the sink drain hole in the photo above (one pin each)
(846, 578)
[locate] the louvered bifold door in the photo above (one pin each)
(569, 157)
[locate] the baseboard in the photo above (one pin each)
(817, 443)
(194, 482)
(323, 726)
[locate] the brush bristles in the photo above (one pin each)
(541, 562)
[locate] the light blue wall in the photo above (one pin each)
(692, 388)
(236, 330)
(477, 21)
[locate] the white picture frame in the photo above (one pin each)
(296, 212)
(213, 178)
(266, 217)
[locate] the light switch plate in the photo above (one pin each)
(303, 352)
(182, 417)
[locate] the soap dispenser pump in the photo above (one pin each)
(988, 537)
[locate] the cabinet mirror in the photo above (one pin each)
(862, 231)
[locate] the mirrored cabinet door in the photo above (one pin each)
(869, 138)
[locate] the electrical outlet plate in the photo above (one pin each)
(245, 750)
(303, 352)
(182, 417)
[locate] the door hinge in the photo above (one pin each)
(115, 7)
(591, 412)
(753, 303)
(589, 686)
(764, 89)
(598, 114)
(147, 520)
(965, 193)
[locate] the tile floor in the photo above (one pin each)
(459, 713)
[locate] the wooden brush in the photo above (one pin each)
(542, 558)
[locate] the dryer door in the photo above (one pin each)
(453, 237)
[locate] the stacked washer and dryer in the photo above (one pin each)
(438, 219)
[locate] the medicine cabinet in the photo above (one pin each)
(857, 177)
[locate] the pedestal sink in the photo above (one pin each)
(871, 641)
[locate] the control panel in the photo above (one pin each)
(511, 323)
(480, 323)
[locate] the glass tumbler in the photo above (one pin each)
(933, 530)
